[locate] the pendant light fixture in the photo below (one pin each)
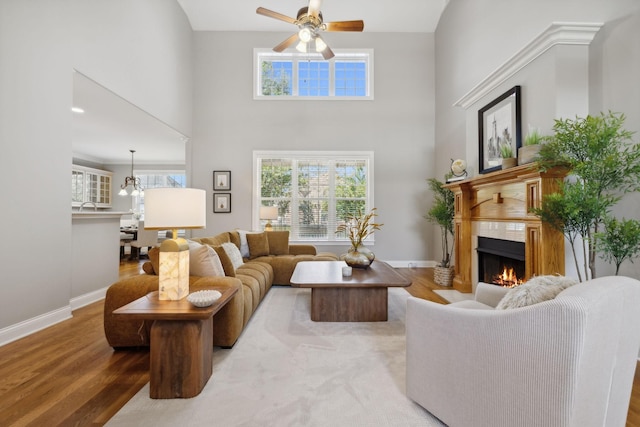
(131, 181)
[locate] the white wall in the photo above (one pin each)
(475, 37)
(139, 49)
(398, 126)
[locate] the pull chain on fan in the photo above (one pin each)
(310, 24)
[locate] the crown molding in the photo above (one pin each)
(558, 33)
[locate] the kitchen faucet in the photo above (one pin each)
(95, 208)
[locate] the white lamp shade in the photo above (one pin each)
(173, 208)
(269, 212)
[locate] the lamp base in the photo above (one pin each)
(174, 269)
(268, 226)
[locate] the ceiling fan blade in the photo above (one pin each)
(327, 53)
(314, 8)
(275, 15)
(344, 26)
(285, 44)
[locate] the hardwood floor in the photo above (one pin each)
(67, 374)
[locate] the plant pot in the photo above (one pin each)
(509, 162)
(443, 276)
(528, 154)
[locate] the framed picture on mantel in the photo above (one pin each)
(499, 125)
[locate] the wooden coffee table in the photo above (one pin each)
(181, 355)
(359, 298)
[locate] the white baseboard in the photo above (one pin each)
(38, 323)
(35, 324)
(411, 264)
(87, 299)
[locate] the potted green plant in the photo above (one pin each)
(530, 147)
(603, 164)
(506, 152)
(620, 241)
(441, 213)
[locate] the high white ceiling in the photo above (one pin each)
(111, 126)
(406, 16)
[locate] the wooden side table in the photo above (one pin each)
(181, 354)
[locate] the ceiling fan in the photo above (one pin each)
(310, 23)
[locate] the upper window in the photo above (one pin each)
(314, 191)
(293, 75)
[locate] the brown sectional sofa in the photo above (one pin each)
(271, 261)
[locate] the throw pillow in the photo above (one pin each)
(234, 255)
(537, 289)
(227, 265)
(154, 259)
(204, 261)
(258, 245)
(278, 242)
(148, 268)
(244, 243)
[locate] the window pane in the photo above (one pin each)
(276, 77)
(313, 78)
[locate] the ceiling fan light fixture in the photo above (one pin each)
(305, 34)
(320, 45)
(301, 47)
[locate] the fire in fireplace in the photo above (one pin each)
(501, 262)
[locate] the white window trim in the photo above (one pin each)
(346, 54)
(328, 155)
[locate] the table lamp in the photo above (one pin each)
(174, 208)
(268, 213)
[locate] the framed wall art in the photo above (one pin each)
(221, 180)
(499, 125)
(222, 203)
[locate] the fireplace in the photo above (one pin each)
(501, 262)
(498, 205)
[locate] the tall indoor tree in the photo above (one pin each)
(603, 164)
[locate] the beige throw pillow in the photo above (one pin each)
(203, 261)
(234, 254)
(537, 289)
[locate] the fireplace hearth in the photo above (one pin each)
(501, 262)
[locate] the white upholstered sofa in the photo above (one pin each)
(568, 361)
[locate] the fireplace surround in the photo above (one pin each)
(497, 205)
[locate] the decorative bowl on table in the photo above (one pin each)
(203, 298)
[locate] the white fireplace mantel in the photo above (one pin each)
(558, 33)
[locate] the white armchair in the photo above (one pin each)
(569, 361)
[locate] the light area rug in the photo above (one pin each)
(286, 370)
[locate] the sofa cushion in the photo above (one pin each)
(278, 242)
(204, 261)
(233, 252)
(258, 245)
(535, 290)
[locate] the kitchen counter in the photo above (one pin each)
(97, 214)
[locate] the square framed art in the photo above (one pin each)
(222, 203)
(221, 180)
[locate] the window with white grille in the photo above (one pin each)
(314, 191)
